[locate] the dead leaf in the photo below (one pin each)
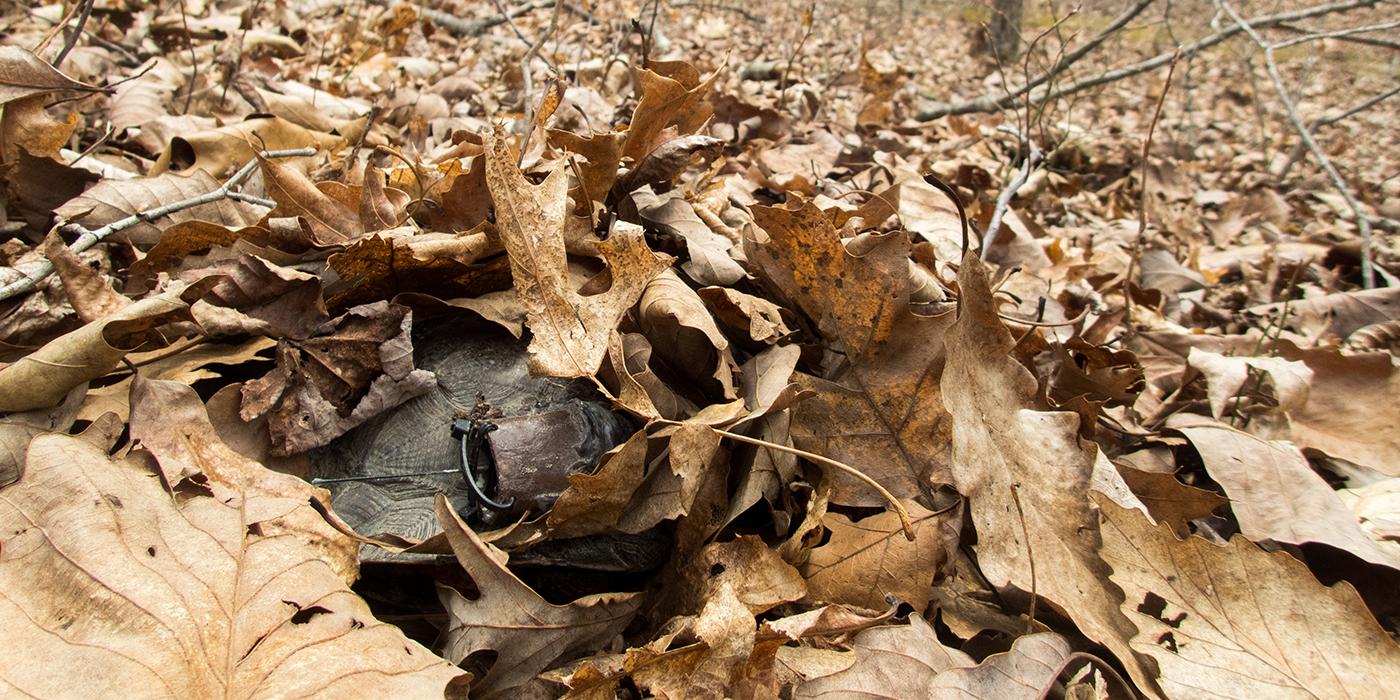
(884, 415)
(570, 330)
(43, 377)
(112, 200)
(326, 385)
(22, 74)
(1027, 477)
(526, 632)
(888, 662)
(1275, 494)
(179, 596)
(1352, 407)
(331, 222)
(1238, 622)
(868, 562)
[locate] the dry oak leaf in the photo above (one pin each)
(171, 422)
(865, 562)
(133, 591)
(571, 331)
(326, 385)
(527, 632)
(672, 96)
(251, 296)
(884, 414)
(1027, 477)
(1274, 493)
(1238, 622)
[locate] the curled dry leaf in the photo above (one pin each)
(330, 221)
(1238, 622)
(87, 289)
(129, 588)
(324, 386)
(222, 150)
(526, 631)
(571, 331)
(1027, 478)
(43, 377)
(253, 296)
(684, 335)
(710, 261)
(1275, 494)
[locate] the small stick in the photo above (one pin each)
(84, 11)
(1033, 156)
(87, 239)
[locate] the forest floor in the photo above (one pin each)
(1090, 396)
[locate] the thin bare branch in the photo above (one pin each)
(84, 11)
(87, 239)
(1320, 122)
(1362, 220)
(997, 102)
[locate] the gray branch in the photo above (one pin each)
(1363, 222)
(999, 101)
(40, 271)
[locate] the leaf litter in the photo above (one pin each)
(1140, 442)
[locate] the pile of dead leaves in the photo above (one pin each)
(1081, 461)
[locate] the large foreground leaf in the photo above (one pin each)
(1239, 622)
(114, 586)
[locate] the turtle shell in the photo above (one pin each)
(478, 366)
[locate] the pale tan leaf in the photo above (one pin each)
(1238, 622)
(1275, 494)
(1028, 672)
(43, 377)
(1353, 407)
(897, 662)
(571, 331)
(1027, 477)
(131, 591)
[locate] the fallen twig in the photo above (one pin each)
(997, 102)
(84, 11)
(1320, 122)
(1365, 40)
(41, 269)
(1033, 156)
(1363, 223)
